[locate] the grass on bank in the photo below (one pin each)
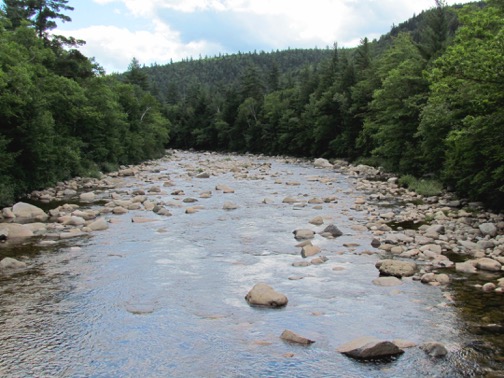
(424, 187)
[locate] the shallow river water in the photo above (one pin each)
(166, 298)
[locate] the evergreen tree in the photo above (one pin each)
(136, 76)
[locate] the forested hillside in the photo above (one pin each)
(59, 115)
(426, 99)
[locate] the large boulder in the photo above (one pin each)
(488, 229)
(396, 268)
(16, 231)
(466, 267)
(265, 296)
(27, 211)
(98, 225)
(367, 348)
(322, 163)
(488, 264)
(10, 263)
(87, 197)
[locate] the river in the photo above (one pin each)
(165, 298)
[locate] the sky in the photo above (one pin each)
(160, 31)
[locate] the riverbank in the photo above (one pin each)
(444, 241)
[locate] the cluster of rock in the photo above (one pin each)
(444, 227)
(433, 229)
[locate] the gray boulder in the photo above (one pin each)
(488, 265)
(396, 268)
(303, 234)
(434, 349)
(10, 263)
(488, 229)
(265, 296)
(87, 197)
(98, 225)
(25, 210)
(17, 231)
(465, 267)
(309, 250)
(367, 348)
(322, 163)
(332, 230)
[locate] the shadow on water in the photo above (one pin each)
(483, 314)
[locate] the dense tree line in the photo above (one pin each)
(427, 99)
(59, 115)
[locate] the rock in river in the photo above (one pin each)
(396, 268)
(295, 338)
(16, 231)
(309, 250)
(264, 295)
(387, 281)
(488, 265)
(10, 263)
(434, 349)
(303, 234)
(332, 230)
(98, 225)
(367, 348)
(25, 210)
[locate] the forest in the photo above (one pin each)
(60, 116)
(425, 101)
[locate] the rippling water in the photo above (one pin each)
(166, 298)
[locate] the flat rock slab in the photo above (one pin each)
(369, 348)
(142, 220)
(140, 308)
(264, 295)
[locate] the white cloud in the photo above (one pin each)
(267, 23)
(114, 47)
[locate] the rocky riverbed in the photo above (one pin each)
(302, 227)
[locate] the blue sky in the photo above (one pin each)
(157, 31)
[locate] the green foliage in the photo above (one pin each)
(60, 119)
(394, 111)
(425, 99)
(425, 187)
(464, 119)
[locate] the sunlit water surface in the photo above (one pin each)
(166, 298)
